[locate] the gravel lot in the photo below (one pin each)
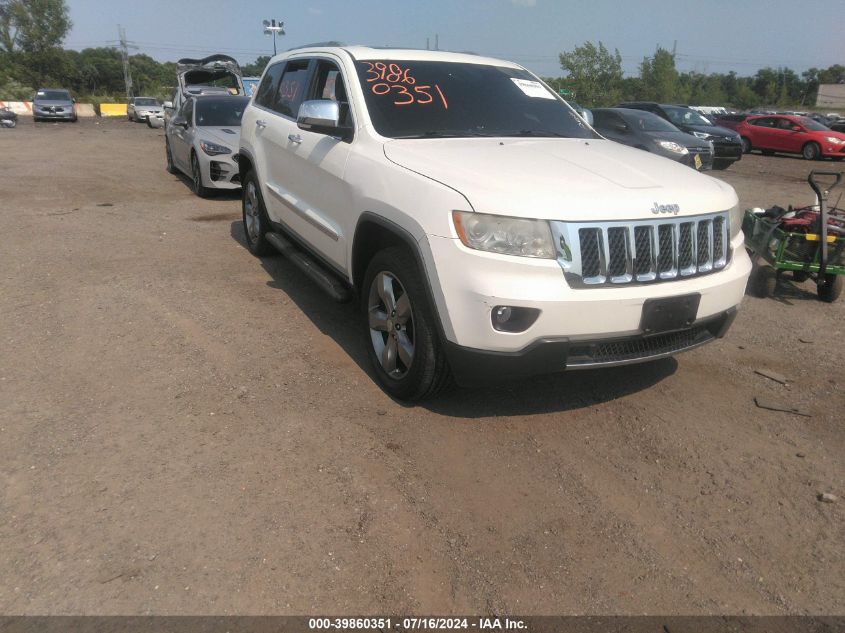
(187, 429)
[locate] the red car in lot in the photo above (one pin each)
(792, 135)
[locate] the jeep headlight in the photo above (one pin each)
(736, 215)
(673, 147)
(213, 149)
(504, 235)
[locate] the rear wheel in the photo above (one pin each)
(255, 220)
(746, 145)
(398, 323)
(811, 151)
(832, 288)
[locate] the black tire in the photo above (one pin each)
(196, 178)
(811, 151)
(170, 167)
(800, 276)
(255, 234)
(830, 291)
(746, 145)
(428, 372)
(764, 281)
(720, 164)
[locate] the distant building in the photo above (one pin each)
(831, 96)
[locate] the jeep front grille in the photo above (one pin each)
(618, 253)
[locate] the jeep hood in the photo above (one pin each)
(202, 72)
(561, 179)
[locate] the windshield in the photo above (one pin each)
(425, 99)
(216, 112)
(648, 122)
(144, 101)
(685, 116)
(811, 124)
(52, 95)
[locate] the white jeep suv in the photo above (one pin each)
(486, 230)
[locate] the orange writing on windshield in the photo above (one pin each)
(392, 79)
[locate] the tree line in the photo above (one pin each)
(595, 78)
(31, 56)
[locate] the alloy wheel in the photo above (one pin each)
(391, 324)
(251, 213)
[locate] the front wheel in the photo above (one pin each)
(721, 164)
(171, 168)
(399, 327)
(196, 178)
(811, 151)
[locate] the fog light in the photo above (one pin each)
(513, 319)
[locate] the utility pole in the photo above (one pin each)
(124, 46)
(273, 27)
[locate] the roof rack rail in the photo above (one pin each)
(316, 44)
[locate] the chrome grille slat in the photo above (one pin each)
(663, 249)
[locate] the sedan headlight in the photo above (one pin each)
(703, 135)
(504, 235)
(213, 149)
(834, 140)
(673, 147)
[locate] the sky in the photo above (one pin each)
(708, 35)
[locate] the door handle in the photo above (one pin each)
(261, 124)
(295, 138)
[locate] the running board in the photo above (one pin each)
(327, 281)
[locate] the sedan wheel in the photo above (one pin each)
(811, 151)
(196, 177)
(746, 145)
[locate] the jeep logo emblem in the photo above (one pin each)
(674, 209)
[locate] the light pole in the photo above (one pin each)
(271, 26)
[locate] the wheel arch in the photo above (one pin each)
(374, 233)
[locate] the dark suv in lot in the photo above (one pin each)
(726, 143)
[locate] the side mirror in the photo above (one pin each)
(179, 121)
(620, 127)
(168, 105)
(321, 116)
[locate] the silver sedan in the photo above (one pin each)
(202, 140)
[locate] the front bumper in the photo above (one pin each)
(477, 282)
(220, 172)
(472, 367)
(829, 150)
(63, 115)
(727, 150)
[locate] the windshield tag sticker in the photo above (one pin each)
(532, 88)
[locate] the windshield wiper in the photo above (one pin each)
(535, 133)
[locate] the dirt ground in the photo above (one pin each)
(186, 429)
